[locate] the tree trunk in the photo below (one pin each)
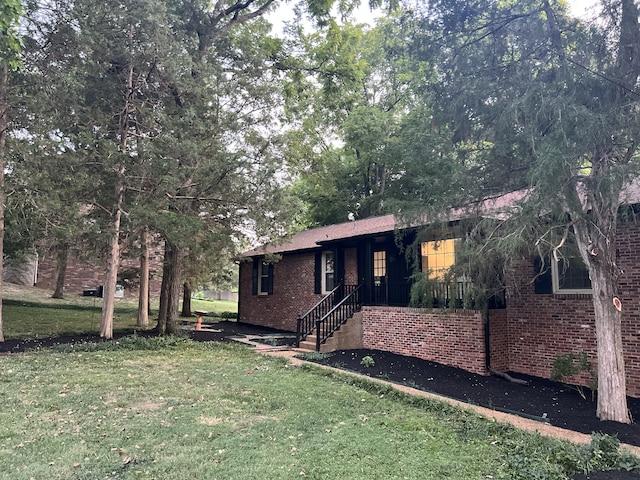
(4, 106)
(63, 255)
(597, 248)
(113, 262)
(612, 386)
(143, 295)
(170, 290)
(186, 300)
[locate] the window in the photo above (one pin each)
(262, 278)
(379, 266)
(438, 257)
(328, 272)
(570, 274)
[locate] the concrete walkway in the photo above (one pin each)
(515, 420)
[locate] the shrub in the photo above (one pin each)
(367, 361)
(573, 363)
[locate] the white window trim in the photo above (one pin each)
(555, 282)
(324, 271)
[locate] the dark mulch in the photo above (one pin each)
(541, 399)
(224, 333)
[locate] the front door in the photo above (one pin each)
(380, 280)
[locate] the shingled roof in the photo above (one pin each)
(310, 239)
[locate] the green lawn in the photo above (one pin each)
(173, 409)
(168, 408)
(214, 306)
(44, 317)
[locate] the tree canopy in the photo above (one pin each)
(540, 102)
(188, 121)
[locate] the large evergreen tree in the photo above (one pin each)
(10, 45)
(166, 114)
(538, 101)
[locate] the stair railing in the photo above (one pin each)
(307, 322)
(339, 314)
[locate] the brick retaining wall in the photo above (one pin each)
(454, 338)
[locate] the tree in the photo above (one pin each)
(536, 100)
(166, 114)
(348, 92)
(10, 46)
(221, 175)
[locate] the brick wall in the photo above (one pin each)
(540, 327)
(454, 338)
(84, 274)
(499, 339)
(293, 286)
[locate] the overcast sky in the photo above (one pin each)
(285, 11)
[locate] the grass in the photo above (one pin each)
(32, 313)
(172, 409)
(32, 320)
(214, 307)
(168, 408)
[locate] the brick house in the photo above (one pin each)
(362, 266)
(42, 272)
(84, 274)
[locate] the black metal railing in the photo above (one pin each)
(437, 295)
(456, 294)
(392, 294)
(339, 314)
(307, 322)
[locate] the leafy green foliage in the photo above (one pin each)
(574, 363)
(128, 343)
(350, 90)
(367, 361)
(10, 41)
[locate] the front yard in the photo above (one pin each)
(174, 409)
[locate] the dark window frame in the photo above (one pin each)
(262, 282)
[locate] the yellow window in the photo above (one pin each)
(438, 257)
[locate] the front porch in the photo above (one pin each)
(453, 336)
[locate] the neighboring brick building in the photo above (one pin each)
(81, 274)
(542, 318)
